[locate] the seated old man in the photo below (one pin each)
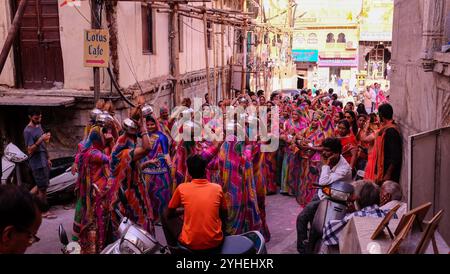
(367, 205)
(390, 196)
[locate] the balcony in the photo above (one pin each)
(442, 63)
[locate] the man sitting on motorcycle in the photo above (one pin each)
(204, 211)
(334, 168)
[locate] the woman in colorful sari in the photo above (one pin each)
(165, 128)
(269, 163)
(237, 180)
(309, 142)
(92, 207)
(156, 169)
(184, 150)
(261, 183)
(348, 141)
(128, 193)
(290, 173)
(368, 136)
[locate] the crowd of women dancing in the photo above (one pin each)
(133, 166)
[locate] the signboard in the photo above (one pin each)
(96, 48)
(338, 63)
(305, 55)
(377, 20)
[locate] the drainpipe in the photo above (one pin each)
(12, 33)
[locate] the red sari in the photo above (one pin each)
(348, 144)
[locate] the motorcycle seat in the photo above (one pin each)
(236, 244)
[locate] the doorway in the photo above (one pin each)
(300, 83)
(39, 64)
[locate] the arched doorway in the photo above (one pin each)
(376, 61)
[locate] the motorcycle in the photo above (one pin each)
(333, 207)
(251, 242)
(135, 240)
(62, 181)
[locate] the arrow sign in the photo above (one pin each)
(95, 61)
(96, 48)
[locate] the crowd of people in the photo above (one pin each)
(136, 166)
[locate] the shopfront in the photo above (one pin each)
(306, 61)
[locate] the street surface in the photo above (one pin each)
(281, 210)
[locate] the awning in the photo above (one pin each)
(34, 100)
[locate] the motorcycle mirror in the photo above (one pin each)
(62, 235)
(119, 214)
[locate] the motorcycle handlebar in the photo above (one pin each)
(119, 214)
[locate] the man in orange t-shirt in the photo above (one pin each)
(204, 209)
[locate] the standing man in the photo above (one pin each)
(35, 142)
(340, 83)
(373, 97)
(388, 147)
(314, 90)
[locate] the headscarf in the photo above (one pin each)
(94, 139)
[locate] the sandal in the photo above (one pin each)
(49, 215)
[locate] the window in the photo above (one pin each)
(330, 38)
(312, 38)
(208, 33)
(148, 32)
(266, 39)
(341, 38)
(299, 39)
(239, 41)
(180, 33)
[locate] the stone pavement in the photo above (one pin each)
(281, 213)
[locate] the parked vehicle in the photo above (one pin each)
(136, 240)
(133, 240)
(332, 207)
(62, 181)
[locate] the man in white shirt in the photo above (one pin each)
(335, 168)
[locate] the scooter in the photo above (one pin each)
(332, 207)
(61, 178)
(12, 157)
(251, 242)
(135, 240)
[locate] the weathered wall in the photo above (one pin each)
(131, 57)
(415, 97)
(72, 26)
(7, 76)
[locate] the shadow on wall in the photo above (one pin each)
(59, 120)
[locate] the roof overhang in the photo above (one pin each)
(34, 100)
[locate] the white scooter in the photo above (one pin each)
(12, 157)
(60, 181)
(136, 240)
(133, 240)
(332, 207)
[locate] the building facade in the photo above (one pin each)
(329, 28)
(375, 40)
(45, 66)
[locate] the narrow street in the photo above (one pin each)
(282, 212)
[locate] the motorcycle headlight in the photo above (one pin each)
(339, 195)
(127, 247)
(137, 241)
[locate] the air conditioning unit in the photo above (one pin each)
(349, 45)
